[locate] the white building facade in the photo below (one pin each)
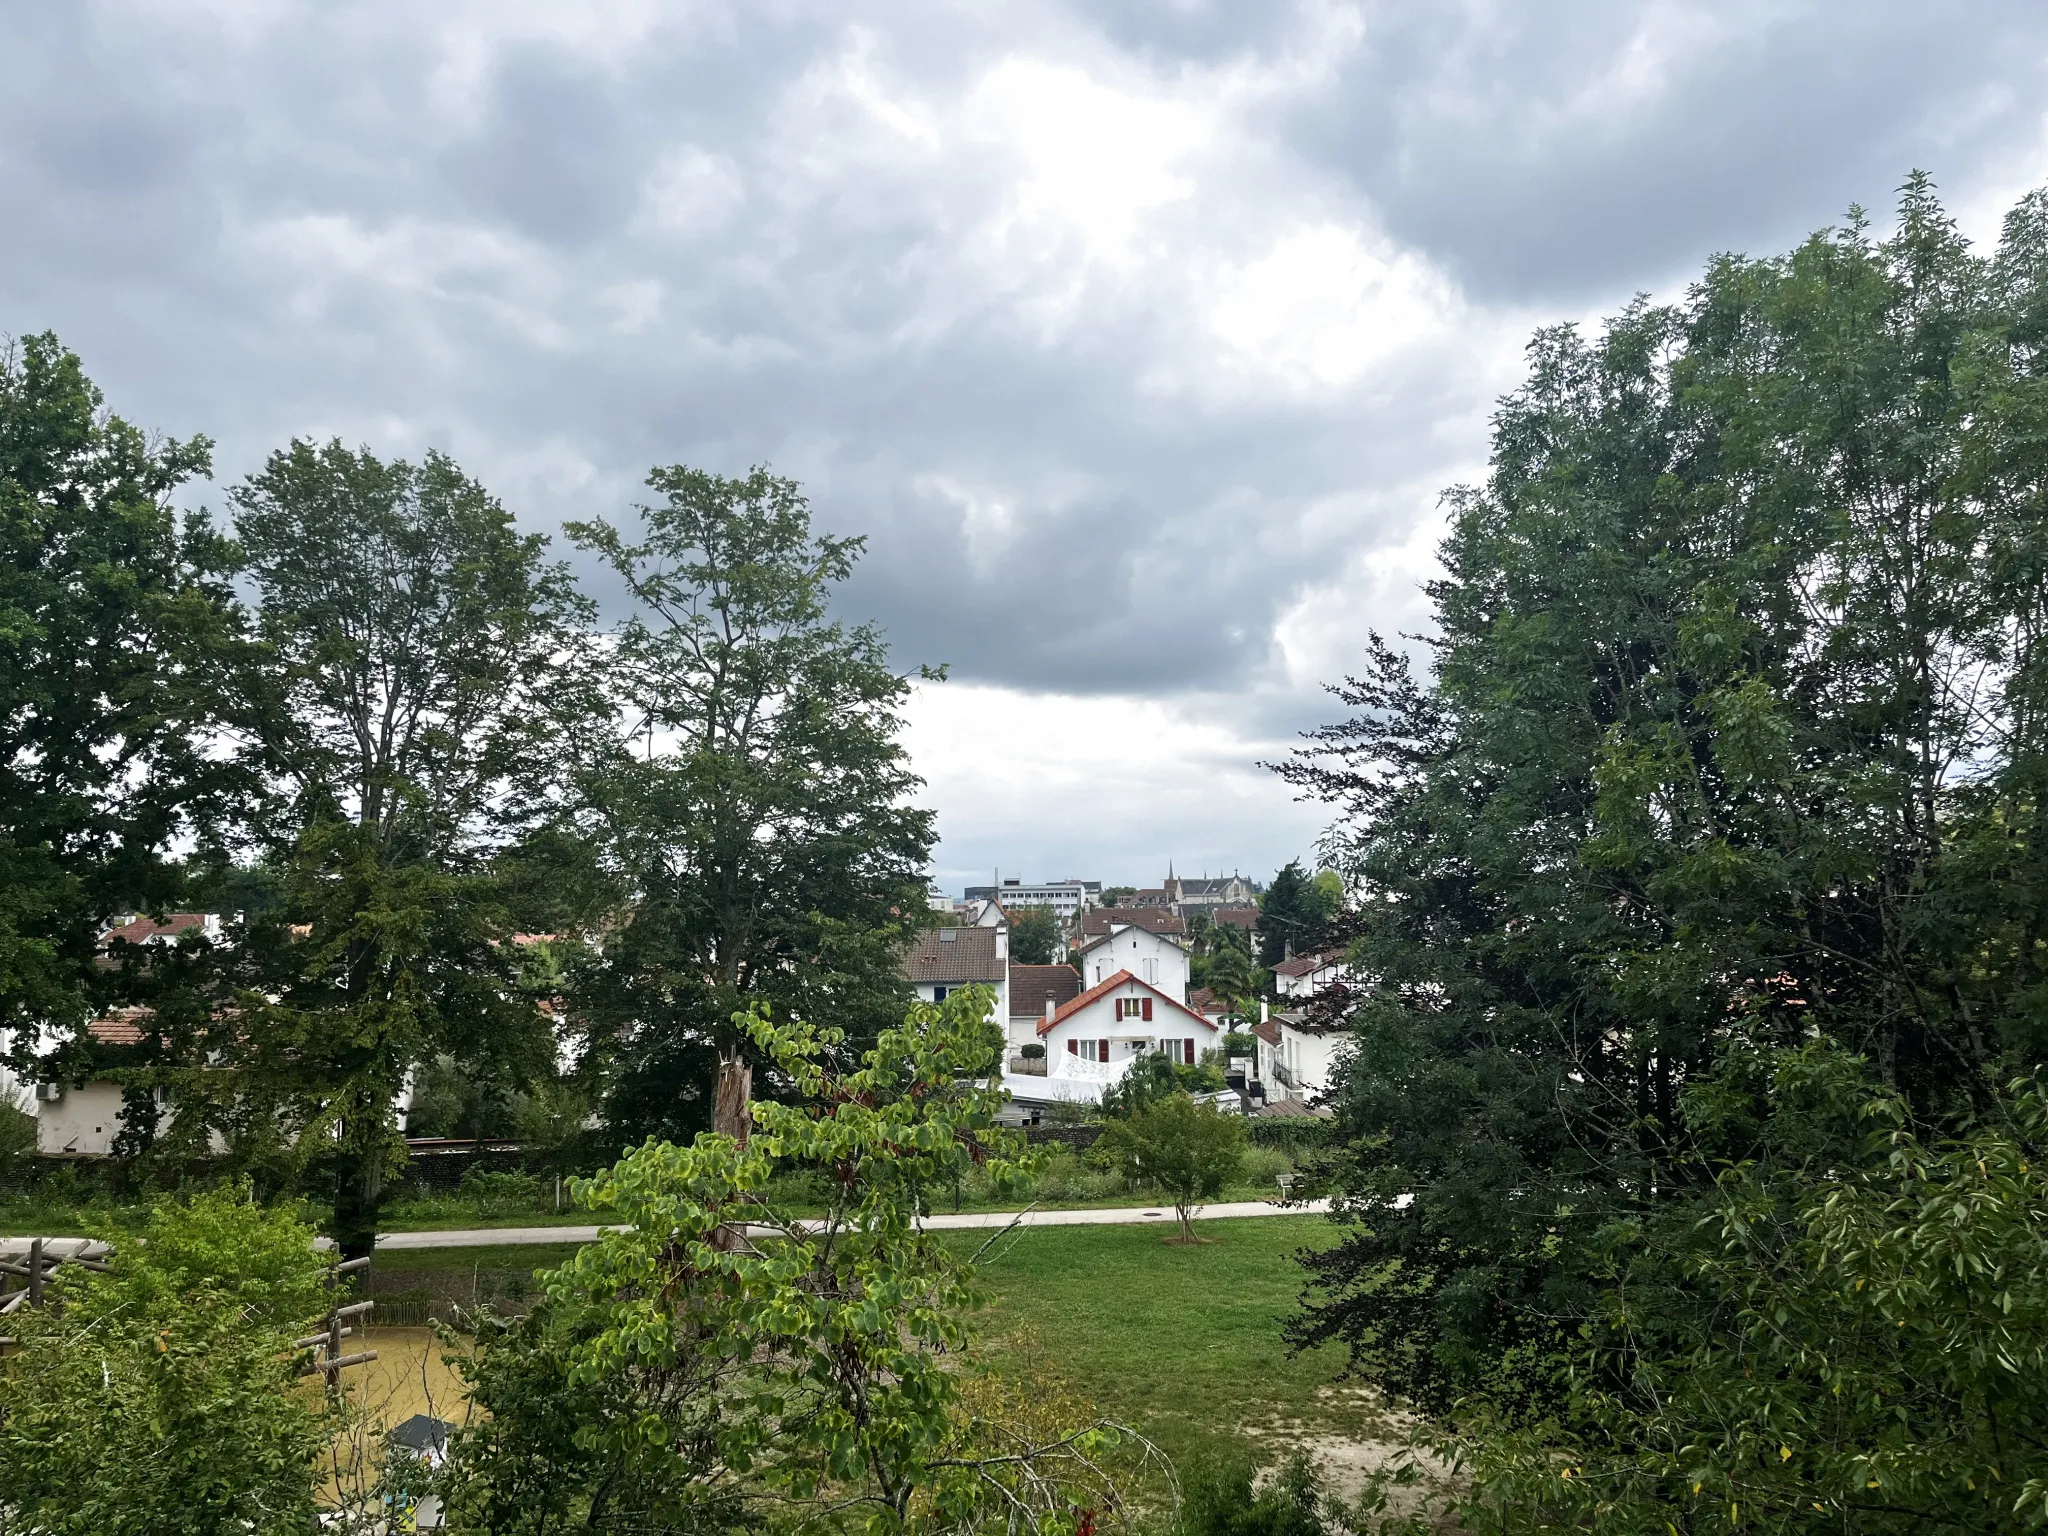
(1101, 1032)
(1068, 898)
(1157, 959)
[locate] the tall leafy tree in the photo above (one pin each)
(116, 618)
(1731, 735)
(1035, 937)
(1294, 911)
(418, 649)
(753, 808)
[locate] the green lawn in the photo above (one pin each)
(1182, 1343)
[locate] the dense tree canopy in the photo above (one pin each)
(116, 621)
(414, 665)
(752, 810)
(1732, 736)
(1294, 911)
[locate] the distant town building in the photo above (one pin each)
(1069, 898)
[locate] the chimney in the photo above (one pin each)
(1262, 1011)
(1049, 1009)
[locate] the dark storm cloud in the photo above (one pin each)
(1564, 152)
(856, 242)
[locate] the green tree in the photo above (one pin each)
(1154, 1076)
(1731, 735)
(1295, 911)
(675, 1378)
(754, 814)
(159, 1397)
(1035, 936)
(418, 680)
(118, 622)
(1189, 1150)
(1223, 963)
(1851, 1336)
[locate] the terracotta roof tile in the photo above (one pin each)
(145, 928)
(1109, 984)
(1302, 965)
(121, 1027)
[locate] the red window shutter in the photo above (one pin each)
(1189, 1046)
(1103, 1047)
(1070, 1048)
(1146, 1003)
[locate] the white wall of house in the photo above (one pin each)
(1126, 1021)
(81, 1122)
(1307, 1062)
(939, 991)
(1146, 955)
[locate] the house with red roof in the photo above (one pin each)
(1102, 1031)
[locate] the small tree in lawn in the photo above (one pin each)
(723, 1362)
(1189, 1150)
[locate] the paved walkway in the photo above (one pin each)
(1108, 1216)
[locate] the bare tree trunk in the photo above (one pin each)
(729, 1117)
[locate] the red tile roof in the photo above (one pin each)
(1246, 918)
(1302, 965)
(121, 1027)
(1109, 984)
(952, 955)
(146, 928)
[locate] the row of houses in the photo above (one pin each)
(1126, 994)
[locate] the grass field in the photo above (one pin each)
(1181, 1342)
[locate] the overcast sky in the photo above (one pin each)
(1139, 338)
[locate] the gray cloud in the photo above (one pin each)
(1137, 337)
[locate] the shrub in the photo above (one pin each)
(1033, 1052)
(503, 1194)
(160, 1396)
(1218, 1501)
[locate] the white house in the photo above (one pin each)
(1102, 1031)
(1304, 976)
(1158, 959)
(82, 1119)
(943, 960)
(1295, 1062)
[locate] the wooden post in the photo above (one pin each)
(35, 1272)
